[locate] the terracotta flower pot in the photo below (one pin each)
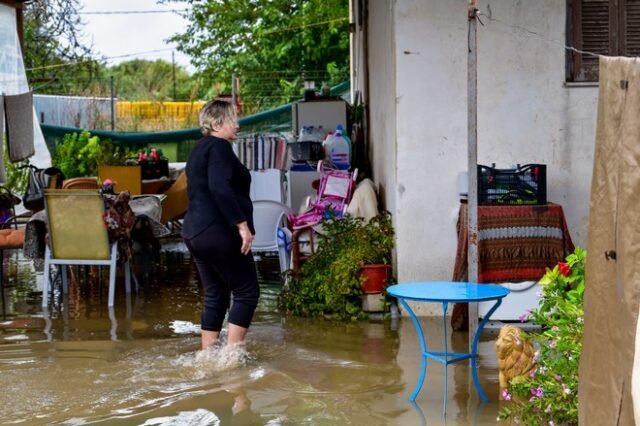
(376, 278)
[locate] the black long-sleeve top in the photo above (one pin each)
(218, 186)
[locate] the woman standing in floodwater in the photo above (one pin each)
(218, 227)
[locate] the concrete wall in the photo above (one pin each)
(526, 114)
(382, 102)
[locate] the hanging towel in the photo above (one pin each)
(3, 176)
(19, 112)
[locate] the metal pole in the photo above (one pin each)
(233, 91)
(472, 128)
(113, 105)
(173, 70)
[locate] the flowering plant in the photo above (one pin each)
(151, 155)
(549, 394)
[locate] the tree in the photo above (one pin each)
(269, 44)
(144, 80)
(55, 55)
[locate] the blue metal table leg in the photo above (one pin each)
(445, 305)
(423, 348)
(474, 349)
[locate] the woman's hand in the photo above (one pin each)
(247, 237)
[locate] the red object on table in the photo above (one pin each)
(515, 243)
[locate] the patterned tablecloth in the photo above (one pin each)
(515, 243)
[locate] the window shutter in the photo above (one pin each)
(632, 28)
(592, 32)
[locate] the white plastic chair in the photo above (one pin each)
(267, 185)
(78, 236)
(272, 235)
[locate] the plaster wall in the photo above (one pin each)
(526, 114)
(382, 102)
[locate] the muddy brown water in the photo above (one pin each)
(80, 363)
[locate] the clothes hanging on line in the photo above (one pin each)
(20, 134)
(261, 152)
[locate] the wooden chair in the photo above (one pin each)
(127, 178)
(78, 236)
(81, 183)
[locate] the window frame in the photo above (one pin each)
(576, 70)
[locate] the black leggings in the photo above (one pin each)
(224, 270)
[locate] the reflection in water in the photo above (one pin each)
(139, 362)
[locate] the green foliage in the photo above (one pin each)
(550, 395)
(269, 44)
(80, 154)
(328, 283)
(53, 37)
(144, 80)
(16, 179)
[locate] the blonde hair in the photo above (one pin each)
(214, 114)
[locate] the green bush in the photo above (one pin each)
(16, 179)
(328, 283)
(79, 154)
(549, 395)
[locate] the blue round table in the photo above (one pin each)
(446, 292)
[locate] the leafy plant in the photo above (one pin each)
(269, 45)
(80, 154)
(16, 179)
(328, 283)
(550, 394)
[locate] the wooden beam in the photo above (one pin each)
(18, 4)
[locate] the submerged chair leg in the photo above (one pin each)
(65, 279)
(112, 274)
(127, 277)
(46, 282)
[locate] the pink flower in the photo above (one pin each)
(532, 373)
(557, 377)
(506, 395)
(548, 409)
(537, 392)
(553, 344)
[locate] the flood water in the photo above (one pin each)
(139, 364)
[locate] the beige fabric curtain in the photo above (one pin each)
(613, 263)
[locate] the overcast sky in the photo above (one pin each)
(117, 35)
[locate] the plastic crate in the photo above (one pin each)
(523, 185)
(306, 151)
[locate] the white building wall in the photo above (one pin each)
(526, 114)
(382, 103)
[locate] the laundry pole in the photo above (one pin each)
(472, 160)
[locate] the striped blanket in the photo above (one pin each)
(515, 243)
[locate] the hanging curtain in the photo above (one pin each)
(13, 79)
(609, 367)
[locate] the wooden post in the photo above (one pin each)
(472, 128)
